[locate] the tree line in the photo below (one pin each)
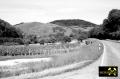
(110, 29)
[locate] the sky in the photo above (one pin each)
(17, 11)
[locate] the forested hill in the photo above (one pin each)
(74, 22)
(6, 30)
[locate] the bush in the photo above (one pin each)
(30, 39)
(11, 40)
(97, 32)
(42, 41)
(66, 39)
(79, 35)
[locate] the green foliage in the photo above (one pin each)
(114, 16)
(58, 29)
(97, 32)
(111, 25)
(42, 41)
(79, 35)
(6, 30)
(57, 37)
(10, 35)
(52, 40)
(11, 41)
(66, 39)
(110, 29)
(115, 35)
(82, 35)
(29, 39)
(73, 22)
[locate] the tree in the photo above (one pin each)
(111, 25)
(115, 35)
(114, 16)
(79, 35)
(110, 29)
(97, 32)
(42, 41)
(66, 39)
(28, 39)
(7, 30)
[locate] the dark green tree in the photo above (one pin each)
(110, 29)
(66, 39)
(7, 30)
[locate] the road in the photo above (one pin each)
(110, 57)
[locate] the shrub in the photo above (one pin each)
(11, 40)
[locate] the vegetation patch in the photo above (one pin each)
(78, 54)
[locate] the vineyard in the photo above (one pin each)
(18, 50)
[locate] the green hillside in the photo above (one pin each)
(74, 22)
(42, 29)
(65, 26)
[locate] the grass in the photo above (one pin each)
(78, 54)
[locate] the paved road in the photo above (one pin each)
(110, 57)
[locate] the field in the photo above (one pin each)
(21, 50)
(60, 55)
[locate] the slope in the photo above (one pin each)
(74, 22)
(41, 29)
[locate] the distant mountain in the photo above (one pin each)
(74, 22)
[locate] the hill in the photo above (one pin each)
(58, 30)
(74, 22)
(66, 26)
(42, 29)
